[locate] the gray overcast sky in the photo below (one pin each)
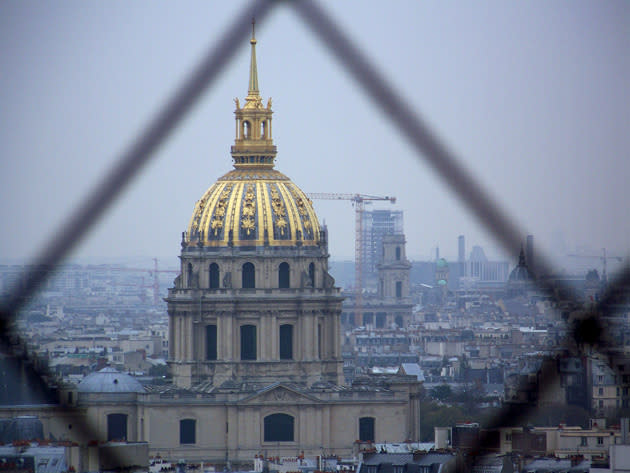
(532, 96)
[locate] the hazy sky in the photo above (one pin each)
(532, 96)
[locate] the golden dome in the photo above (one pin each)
(253, 205)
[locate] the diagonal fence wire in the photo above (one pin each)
(133, 159)
(416, 130)
(590, 329)
(127, 168)
(378, 90)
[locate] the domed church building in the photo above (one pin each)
(254, 333)
(254, 300)
(255, 315)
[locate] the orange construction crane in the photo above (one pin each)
(358, 201)
(152, 272)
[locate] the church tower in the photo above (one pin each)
(394, 270)
(254, 302)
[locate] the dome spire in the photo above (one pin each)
(253, 144)
(253, 70)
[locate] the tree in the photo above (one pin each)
(442, 392)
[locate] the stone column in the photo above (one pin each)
(307, 334)
(275, 333)
(220, 338)
(230, 341)
(299, 337)
(180, 337)
(263, 339)
(171, 337)
(189, 338)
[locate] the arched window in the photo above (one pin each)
(189, 272)
(248, 342)
(116, 427)
(366, 429)
(249, 276)
(398, 253)
(214, 276)
(283, 276)
(279, 428)
(286, 342)
(246, 129)
(187, 431)
(311, 273)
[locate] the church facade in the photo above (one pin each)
(254, 332)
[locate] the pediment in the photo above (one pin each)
(279, 394)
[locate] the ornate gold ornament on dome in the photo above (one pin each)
(253, 204)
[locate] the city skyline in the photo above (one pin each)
(540, 119)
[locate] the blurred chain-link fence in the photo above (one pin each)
(589, 330)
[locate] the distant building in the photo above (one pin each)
(521, 279)
(376, 225)
(391, 306)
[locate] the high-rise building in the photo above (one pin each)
(461, 255)
(377, 224)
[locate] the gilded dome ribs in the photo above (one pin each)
(253, 205)
(217, 223)
(248, 213)
(281, 230)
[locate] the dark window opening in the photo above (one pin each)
(368, 318)
(283, 276)
(279, 428)
(286, 342)
(398, 253)
(214, 276)
(249, 276)
(246, 129)
(211, 342)
(311, 274)
(248, 342)
(380, 319)
(398, 289)
(190, 274)
(399, 321)
(116, 427)
(187, 431)
(366, 429)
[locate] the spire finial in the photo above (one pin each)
(253, 70)
(521, 257)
